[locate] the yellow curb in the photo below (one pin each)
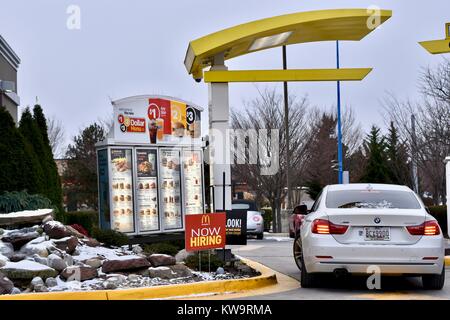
(447, 261)
(267, 278)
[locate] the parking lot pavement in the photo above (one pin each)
(276, 253)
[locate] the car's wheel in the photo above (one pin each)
(434, 281)
(307, 280)
(260, 236)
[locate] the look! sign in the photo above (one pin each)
(205, 231)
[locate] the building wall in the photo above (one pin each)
(9, 63)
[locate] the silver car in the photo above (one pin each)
(255, 220)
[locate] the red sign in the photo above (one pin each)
(163, 113)
(205, 231)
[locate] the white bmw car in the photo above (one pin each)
(353, 227)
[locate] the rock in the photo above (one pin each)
(47, 219)
(109, 285)
(39, 246)
(91, 242)
(2, 231)
(220, 270)
(6, 249)
(51, 282)
(27, 270)
(124, 263)
(137, 250)
(133, 278)
(181, 271)
(161, 272)
(158, 260)
(94, 262)
(68, 244)
(37, 258)
(15, 291)
(16, 257)
(74, 232)
(18, 238)
(56, 230)
(79, 273)
(24, 217)
(37, 281)
(40, 288)
(68, 259)
(6, 285)
(3, 260)
(182, 255)
(56, 262)
(117, 279)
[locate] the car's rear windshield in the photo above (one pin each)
(373, 199)
(243, 206)
(240, 206)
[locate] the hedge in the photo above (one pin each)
(87, 219)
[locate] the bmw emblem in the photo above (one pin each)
(377, 220)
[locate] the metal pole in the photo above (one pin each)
(340, 160)
(286, 125)
(414, 154)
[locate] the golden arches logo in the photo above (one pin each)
(206, 220)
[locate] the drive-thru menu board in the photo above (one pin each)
(122, 194)
(170, 177)
(147, 190)
(192, 164)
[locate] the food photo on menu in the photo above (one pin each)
(193, 182)
(171, 189)
(147, 192)
(122, 193)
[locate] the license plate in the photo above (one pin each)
(377, 234)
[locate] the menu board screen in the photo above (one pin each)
(192, 164)
(147, 190)
(122, 192)
(171, 188)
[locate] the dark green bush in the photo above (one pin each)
(192, 261)
(87, 219)
(440, 214)
(19, 201)
(162, 248)
(110, 238)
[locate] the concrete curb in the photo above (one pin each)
(267, 278)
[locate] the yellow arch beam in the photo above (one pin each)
(436, 46)
(355, 74)
(301, 27)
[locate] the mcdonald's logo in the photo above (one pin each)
(206, 220)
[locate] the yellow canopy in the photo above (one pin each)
(302, 27)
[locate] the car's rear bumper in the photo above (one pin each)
(255, 230)
(326, 255)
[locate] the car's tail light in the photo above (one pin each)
(428, 228)
(322, 226)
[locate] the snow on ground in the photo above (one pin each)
(86, 252)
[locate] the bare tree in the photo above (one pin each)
(433, 137)
(435, 83)
(267, 112)
(56, 136)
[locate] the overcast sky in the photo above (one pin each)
(134, 47)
